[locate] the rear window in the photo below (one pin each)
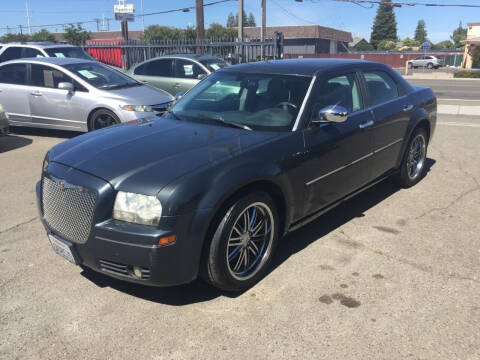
(69, 52)
(11, 53)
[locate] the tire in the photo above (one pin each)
(412, 168)
(429, 66)
(238, 259)
(102, 118)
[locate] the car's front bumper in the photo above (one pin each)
(116, 247)
(4, 127)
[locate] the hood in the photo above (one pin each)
(147, 156)
(140, 95)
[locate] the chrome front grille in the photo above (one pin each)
(68, 209)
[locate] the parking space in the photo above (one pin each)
(390, 274)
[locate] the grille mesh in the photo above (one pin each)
(68, 211)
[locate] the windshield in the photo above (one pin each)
(214, 64)
(258, 101)
(69, 52)
(100, 76)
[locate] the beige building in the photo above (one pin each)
(472, 46)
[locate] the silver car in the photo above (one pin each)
(15, 50)
(427, 61)
(74, 94)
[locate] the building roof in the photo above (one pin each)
(475, 41)
(356, 40)
(300, 32)
(473, 24)
(304, 67)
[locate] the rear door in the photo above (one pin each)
(187, 74)
(392, 111)
(14, 93)
(51, 107)
(338, 159)
(157, 73)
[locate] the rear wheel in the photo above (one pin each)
(243, 244)
(412, 168)
(102, 118)
(429, 66)
(410, 65)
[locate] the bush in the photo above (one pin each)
(387, 45)
(467, 74)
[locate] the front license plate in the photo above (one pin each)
(62, 248)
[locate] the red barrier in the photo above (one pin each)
(108, 55)
(395, 60)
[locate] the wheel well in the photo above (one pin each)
(266, 186)
(93, 111)
(425, 124)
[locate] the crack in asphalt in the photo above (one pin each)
(18, 225)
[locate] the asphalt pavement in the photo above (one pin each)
(390, 274)
(457, 89)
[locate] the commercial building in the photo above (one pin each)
(471, 56)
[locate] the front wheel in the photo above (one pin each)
(243, 244)
(412, 168)
(429, 66)
(102, 118)
(410, 65)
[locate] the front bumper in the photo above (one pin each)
(115, 247)
(4, 127)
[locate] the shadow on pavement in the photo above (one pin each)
(43, 132)
(198, 291)
(12, 142)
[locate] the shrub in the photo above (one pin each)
(467, 74)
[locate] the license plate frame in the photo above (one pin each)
(64, 248)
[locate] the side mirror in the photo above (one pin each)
(332, 113)
(66, 86)
(179, 95)
(201, 76)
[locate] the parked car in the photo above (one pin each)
(176, 73)
(3, 122)
(74, 94)
(211, 187)
(12, 51)
(427, 61)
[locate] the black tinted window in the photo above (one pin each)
(381, 86)
(68, 51)
(187, 69)
(30, 53)
(11, 53)
(161, 67)
(14, 74)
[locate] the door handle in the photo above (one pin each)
(407, 107)
(144, 81)
(367, 124)
(36, 93)
(177, 85)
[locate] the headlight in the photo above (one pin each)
(45, 162)
(144, 108)
(1, 108)
(137, 208)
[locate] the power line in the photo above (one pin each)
(184, 9)
(401, 3)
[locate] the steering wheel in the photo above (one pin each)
(285, 104)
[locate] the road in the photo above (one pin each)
(391, 274)
(462, 90)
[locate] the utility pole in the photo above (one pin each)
(143, 17)
(200, 23)
(28, 18)
(240, 30)
(263, 30)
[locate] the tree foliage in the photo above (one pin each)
(458, 35)
(218, 31)
(14, 38)
(43, 35)
(421, 32)
(443, 45)
(411, 42)
(363, 46)
(387, 45)
(76, 35)
(385, 25)
(159, 32)
(232, 20)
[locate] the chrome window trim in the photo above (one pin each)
(353, 162)
(304, 104)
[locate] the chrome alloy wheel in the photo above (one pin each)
(250, 241)
(104, 120)
(416, 156)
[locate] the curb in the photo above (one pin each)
(458, 109)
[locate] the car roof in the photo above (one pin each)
(190, 56)
(305, 67)
(50, 60)
(38, 44)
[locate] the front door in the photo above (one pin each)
(157, 73)
(14, 93)
(52, 107)
(187, 74)
(338, 159)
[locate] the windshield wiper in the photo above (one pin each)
(221, 120)
(175, 115)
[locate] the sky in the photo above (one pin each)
(358, 20)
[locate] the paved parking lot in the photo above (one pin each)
(391, 274)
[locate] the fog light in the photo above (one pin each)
(137, 272)
(166, 240)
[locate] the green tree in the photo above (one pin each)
(458, 35)
(385, 25)
(362, 46)
(14, 38)
(421, 32)
(159, 32)
(231, 21)
(443, 45)
(43, 35)
(76, 35)
(387, 45)
(251, 20)
(411, 42)
(245, 20)
(218, 31)
(190, 33)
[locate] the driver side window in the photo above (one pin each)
(341, 90)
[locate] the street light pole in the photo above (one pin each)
(263, 29)
(240, 29)
(143, 17)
